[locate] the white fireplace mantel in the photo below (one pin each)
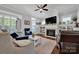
(52, 27)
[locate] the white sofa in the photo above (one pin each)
(7, 46)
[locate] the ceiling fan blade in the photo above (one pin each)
(45, 9)
(44, 5)
(36, 9)
(38, 6)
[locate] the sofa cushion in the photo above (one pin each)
(28, 33)
(14, 35)
(22, 38)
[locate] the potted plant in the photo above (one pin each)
(74, 20)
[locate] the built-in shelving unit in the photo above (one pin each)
(66, 27)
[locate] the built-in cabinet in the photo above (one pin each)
(66, 26)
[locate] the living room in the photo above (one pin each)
(39, 28)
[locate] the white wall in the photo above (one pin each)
(18, 25)
(38, 26)
(22, 23)
(78, 15)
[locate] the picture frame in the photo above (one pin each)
(38, 23)
(26, 22)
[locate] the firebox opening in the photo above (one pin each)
(50, 32)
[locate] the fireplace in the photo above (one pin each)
(50, 32)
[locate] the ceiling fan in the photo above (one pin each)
(41, 8)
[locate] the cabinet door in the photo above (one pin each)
(69, 48)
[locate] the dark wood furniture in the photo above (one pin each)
(69, 42)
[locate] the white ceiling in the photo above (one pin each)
(28, 9)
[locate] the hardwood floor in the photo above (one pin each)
(56, 51)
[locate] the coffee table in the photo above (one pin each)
(35, 40)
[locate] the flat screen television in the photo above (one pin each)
(51, 20)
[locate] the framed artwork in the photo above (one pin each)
(26, 22)
(38, 23)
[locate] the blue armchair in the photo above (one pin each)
(27, 32)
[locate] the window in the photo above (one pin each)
(1, 19)
(13, 24)
(67, 20)
(8, 23)
(33, 25)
